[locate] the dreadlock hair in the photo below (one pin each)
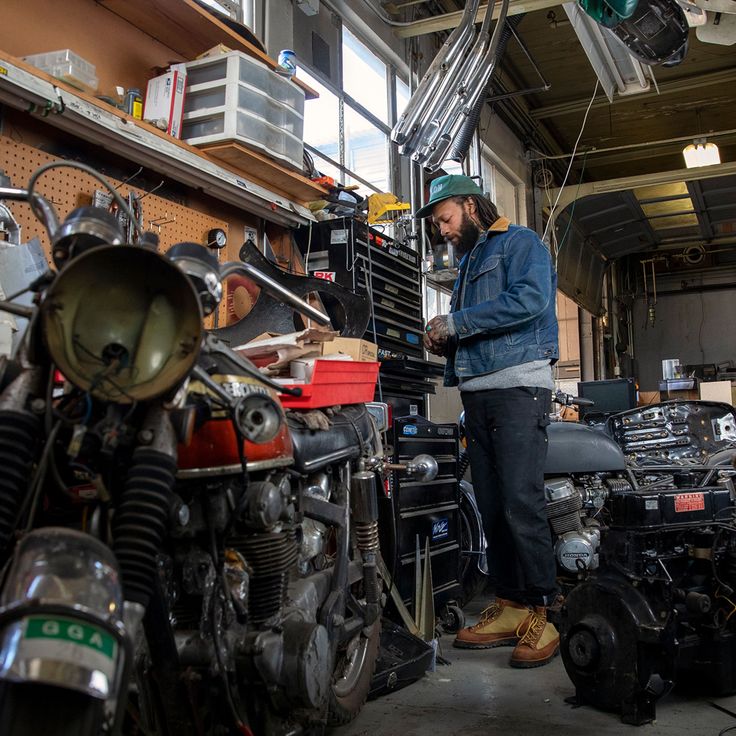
(485, 209)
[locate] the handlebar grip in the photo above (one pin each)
(580, 401)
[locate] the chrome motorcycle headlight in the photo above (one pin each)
(122, 323)
(64, 605)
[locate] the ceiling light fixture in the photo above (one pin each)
(700, 153)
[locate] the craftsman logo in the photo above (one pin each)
(690, 502)
(409, 429)
(324, 275)
(440, 529)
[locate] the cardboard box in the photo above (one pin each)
(164, 105)
(716, 391)
(648, 397)
(357, 349)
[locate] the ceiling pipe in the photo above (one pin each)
(451, 20)
(645, 144)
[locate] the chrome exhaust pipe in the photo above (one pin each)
(436, 128)
(471, 88)
(440, 74)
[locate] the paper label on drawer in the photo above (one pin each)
(689, 502)
(339, 236)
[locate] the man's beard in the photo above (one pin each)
(469, 233)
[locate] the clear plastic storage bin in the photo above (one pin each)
(237, 125)
(238, 67)
(236, 98)
(67, 66)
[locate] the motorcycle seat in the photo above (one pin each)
(349, 429)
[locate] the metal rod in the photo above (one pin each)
(275, 288)
(17, 309)
(519, 93)
(528, 55)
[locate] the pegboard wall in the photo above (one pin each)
(70, 188)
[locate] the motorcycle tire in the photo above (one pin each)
(349, 690)
(472, 579)
(31, 709)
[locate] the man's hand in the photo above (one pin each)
(435, 335)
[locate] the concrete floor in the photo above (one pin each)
(478, 694)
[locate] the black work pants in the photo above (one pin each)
(507, 443)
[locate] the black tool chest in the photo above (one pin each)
(424, 510)
(365, 260)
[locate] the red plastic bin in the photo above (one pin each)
(335, 382)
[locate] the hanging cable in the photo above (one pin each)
(558, 249)
(572, 159)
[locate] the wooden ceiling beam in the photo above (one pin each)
(696, 81)
(451, 20)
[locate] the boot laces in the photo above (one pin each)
(535, 626)
(490, 613)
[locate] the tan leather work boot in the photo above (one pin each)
(500, 625)
(539, 642)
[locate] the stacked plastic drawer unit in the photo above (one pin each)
(233, 97)
(425, 510)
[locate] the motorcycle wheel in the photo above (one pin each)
(31, 710)
(352, 676)
(472, 580)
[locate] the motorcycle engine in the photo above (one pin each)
(659, 608)
(577, 537)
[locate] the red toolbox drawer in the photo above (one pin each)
(335, 382)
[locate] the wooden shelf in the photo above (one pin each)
(275, 194)
(265, 171)
(188, 29)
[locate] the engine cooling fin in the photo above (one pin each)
(271, 557)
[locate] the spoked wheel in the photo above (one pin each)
(351, 680)
(472, 580)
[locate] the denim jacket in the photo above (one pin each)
(503, 304)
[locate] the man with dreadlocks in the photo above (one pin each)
(500, 339)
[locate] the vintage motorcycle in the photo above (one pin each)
(657, 448)
(181, 555)
(581, 468)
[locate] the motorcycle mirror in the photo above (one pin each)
(423, 468)
(84, 228)
(258, 418)
(202, 269)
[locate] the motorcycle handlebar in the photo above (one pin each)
(560, 397)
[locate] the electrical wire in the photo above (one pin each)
(572, 159)
(558, 248)
(93, 173)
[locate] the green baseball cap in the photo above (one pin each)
(444, 187)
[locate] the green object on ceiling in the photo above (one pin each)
(609, 13)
